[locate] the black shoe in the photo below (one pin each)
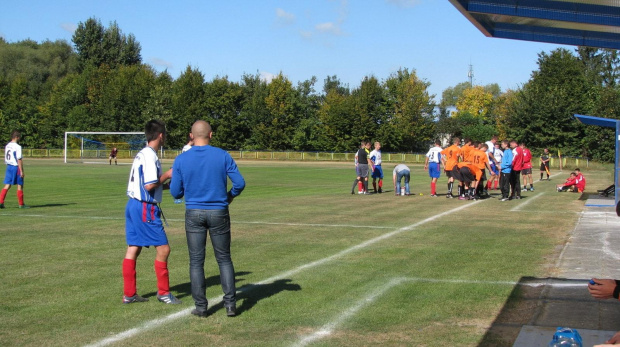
(198, 313)
(352, 192)
(518, 197)
(1, 205)
(231, 311)
(380, 191)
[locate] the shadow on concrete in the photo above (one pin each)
(550, 303)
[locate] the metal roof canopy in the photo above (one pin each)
(608, 123)
(593, 23)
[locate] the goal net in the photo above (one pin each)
(95, 147)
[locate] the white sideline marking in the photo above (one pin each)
(157, 322)
(233, 222)
(525, 202)
(328, 328)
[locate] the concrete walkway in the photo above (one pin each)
(593, 250)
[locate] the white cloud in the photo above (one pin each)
(403, 3)
(305, 34)
(267, 76)
(284, 17)
(70, 27)
(161, 63)
(329, 28)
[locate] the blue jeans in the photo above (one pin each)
(217, 223)
(406, 174)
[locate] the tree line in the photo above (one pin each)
(99, 83)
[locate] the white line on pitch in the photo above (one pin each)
(329, 328)
(525, 202)
(158, 322)
(233, 222)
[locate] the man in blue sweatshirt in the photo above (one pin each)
(201, 174)
(506, 168)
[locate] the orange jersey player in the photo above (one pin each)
(469, 175)
(449, 158)
(467, 151)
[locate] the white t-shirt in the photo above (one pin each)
(434, 154)
(375, 156)
(186, 148)
(498, 154)
(490, 146)
(146, 169)
(12, 153)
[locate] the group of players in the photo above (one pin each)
(505, 161)
(467, 164)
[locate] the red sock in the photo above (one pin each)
(129, 277)
(495, 184)
(380, 183)
(433, 187)
(3, 195)
(163, 280)
(489, 185)
(360, 186)
(20, 197)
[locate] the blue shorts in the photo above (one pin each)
(495, 169)
(13, 176)
(433, 170)
(377, 172)
(143, 226)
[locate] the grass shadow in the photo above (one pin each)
(550, 302)
(185, 289)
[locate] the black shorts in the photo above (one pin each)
(527, 171)
(448, 173)
(544, 166)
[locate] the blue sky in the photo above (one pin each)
(303, 38)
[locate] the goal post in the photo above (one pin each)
(95, 146)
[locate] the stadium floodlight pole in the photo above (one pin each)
(95, 133)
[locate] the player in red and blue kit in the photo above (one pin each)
(143, 224)
(14, 170)
(377, 171)
(432, 164)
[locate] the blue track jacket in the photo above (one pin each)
(506, 165)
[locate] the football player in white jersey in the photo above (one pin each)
(14, 170)
(377, 171)
(432, 164)
(143, 224)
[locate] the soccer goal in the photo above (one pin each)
(95, 147)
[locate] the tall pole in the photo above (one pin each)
(470, 74)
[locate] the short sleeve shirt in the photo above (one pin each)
(434, 155)
(12, 153)
(146, 169)
(375, 156)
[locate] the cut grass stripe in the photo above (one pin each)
(158, 322)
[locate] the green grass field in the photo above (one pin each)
(314, 264)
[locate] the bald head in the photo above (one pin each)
(201, 133)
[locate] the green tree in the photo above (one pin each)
(187, 106)
(410, 111)
(97, 45)
(542, 113)
(223, 105)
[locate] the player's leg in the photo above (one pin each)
(130, 294)
(380, 178)
(3, 193)
(163, 277)
(20, 196)
(357, 180)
